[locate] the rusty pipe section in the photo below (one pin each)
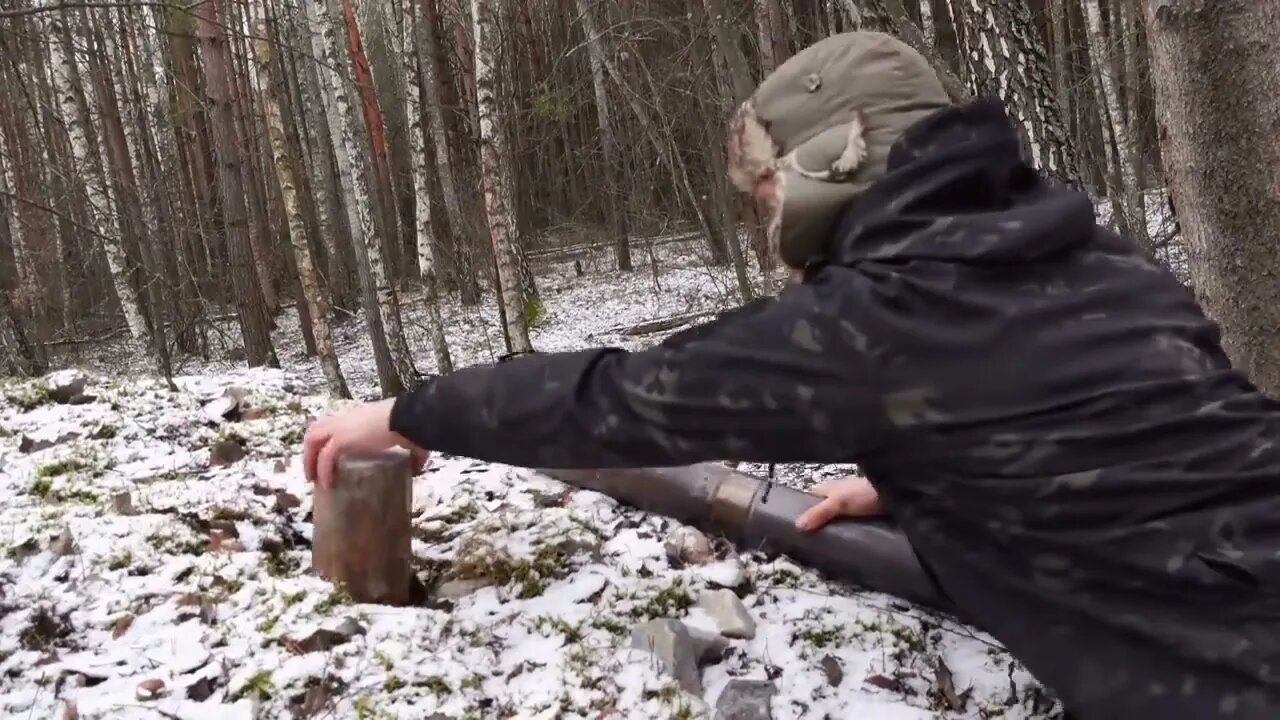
(755, 514)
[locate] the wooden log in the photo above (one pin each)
(362, 536)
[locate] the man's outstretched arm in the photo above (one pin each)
(778, 380)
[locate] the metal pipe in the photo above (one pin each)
(755, 514)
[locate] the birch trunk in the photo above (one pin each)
(395, 371)
(287, 173)
(422, 195)
(89, 165)
(609, 144)
(381, 193)
(464, 236)
(494, 168)
(322, 167)
(1216, 71)
(1006, 58)
(927, 25)
(231, 181)
(1118, 139)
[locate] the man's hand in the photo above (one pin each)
(851, 496)
(361, 428)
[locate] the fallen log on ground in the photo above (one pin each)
(756, 514)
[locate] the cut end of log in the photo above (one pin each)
(362, 534)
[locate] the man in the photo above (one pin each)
(1045, 411)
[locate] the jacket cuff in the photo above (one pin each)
(412, 416)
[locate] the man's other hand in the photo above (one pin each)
(360, 428)
(850, 496)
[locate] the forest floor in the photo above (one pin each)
(155, 562)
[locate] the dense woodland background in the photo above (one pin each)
(165, 164)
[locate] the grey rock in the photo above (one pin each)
(831, 668)
(454, 589)
(64, 544)
(349, 628)
(226, 452)
(70, 391)
(670, 642)
(708, 646)
(688, 546)
(746, 700)
(122, 503)
(730, 614)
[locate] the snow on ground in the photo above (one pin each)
(148, 571)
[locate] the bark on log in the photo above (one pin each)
(362, 537)
(756, 514)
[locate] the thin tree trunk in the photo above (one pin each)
(422, 192)
(383, 196)
(617, 219)
(494, 167)
(89, 165)
(249, 302)
(286, 171)
(463, 241)
(396, 371)
(1216, 72)
(1117, 135)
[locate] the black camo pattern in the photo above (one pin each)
(1046, 412)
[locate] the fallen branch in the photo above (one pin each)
(657, 325)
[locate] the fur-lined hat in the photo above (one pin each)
(824, 122)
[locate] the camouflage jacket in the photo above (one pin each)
(1044, 409)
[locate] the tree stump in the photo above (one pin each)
(362, 539)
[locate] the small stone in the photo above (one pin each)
(831, 668)
(64, 544)
(280, 466)
(670, 642)
(69, 390)
(24, 549)
(729, 613)
(200, 690)
(349, 628)
(688, 546)
(150, 689)
(724, 573)
(321, 641)
(121, 626)
(454, 589)
(709, 646)
(226, 452)
(746, 700)
(122, 503)
(254, 413)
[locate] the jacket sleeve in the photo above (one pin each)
(778, 380)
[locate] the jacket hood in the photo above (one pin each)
(956, 188)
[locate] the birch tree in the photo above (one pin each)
(494, 166)
(1216, 70)
(426, 32)
(422, 194)
(608, 141)
(287, 175)
(88, 164)
(396, 371)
